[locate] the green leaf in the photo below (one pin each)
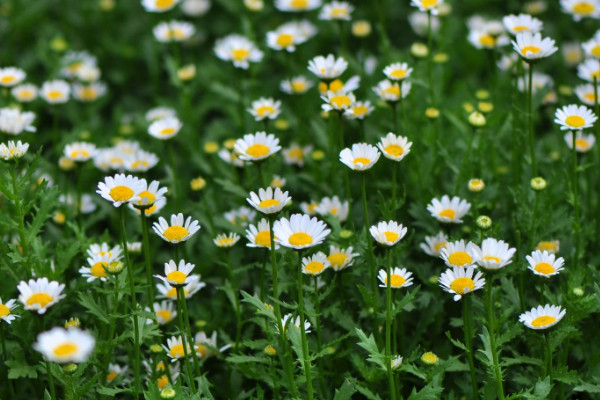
(455, 342)
(345, 391)
(367, 393)
(369, 344)
(20, 369)
(86, 299)
(587, 387)
(107, 391)
(232, 188)
(240, 359)
(261, 308)
(429, 392)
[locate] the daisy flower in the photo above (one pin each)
(89, 92)
(96, 269)
(166, 291)
(269, 201)
(294, 155)
(65, 345)
(297, 5)
(430, 6)
(165, 128)
(11, 76)
(24, 93)
(226, 240)
(265, 108)
(419, 22)
(73, 61)
(586, 94)
(359, 110)
(206, 346)
(589, 70)
(289, 319)
(460, 281)
(591, 47)
(388, 233)
(176, 275)
(12, 150)
(583, 143)
(493, 254)
(14, 121)
(483, 39)
(173, 31)
(581, 8)
(399, 278)
(6, 314)
(285, 37)
(240, 216)
(333, 206)
(164, 311)
(328, 67)
(551, 246)
(574, 117)
(542, 317)
(457, 254)
(397, 71)
(158, 6)
(259, 235)
(55, 92)
(115, 371)
(434, 244)
(178, 231)
(543, 263)
(396, 362)
(341, 258)
(315, 264)
(239, 50)
(522, 22)
(361, 157)
(175, 350)
(120, 189)
(232, 158)
(392, 91)
(296, 85)
(80, 151)
(394, 147)
(531, 46)
(337, 101)
(300, 231)
(141, 161)
(148, 195)
(539, 82)
(309, 208)
(104, 249)
(336, 11)
(449, 211)
(277, 182)
(40, 294)
(257, 146)
(157, 113)
(337, 85)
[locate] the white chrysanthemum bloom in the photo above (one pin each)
(430, 6)
(297, 5)
(158, 6)
(294, 155)
(305, 27)
(309, 208)
(394, 147)
(336, 11)
(521, 23)
(396, 362)
(207, 346)
(164, 311)
(400, 278)
(328, 67)
(296, 85)
(419, 21)
(531, 46)
(397, 71)
(259, 235)
(277, 182)
(551, 246)
(12, 150)
(540, 81)
(175, 350)
(315, 264)
(589, 70)
(482, 39)
(157, 113)
(507, 61)
(176, 275)
(542, 317)
(338, 101)
(162, 376)
(141, 161)
(96, 269)
(15, 122)
(449, 211)
(574, 117)
(359, 110)
(40, 294)
(6, 314)
(80, 151)
(434, 244)
(178, 231)
(120, 189)
(149, 195)
(89, 92)
(289, 319)
(231, 157)
(543, 263)
(333, 206)
(165, 128)
(24, 93)
(586, 94)
(88, 73)
(592, 46)
(361, 157)
(127, 146)
(337, 85)
(63, 346)
(285, 37)
(460, 281)
(240, 216)
(583, 143)
(341, 259)
(167, 291)
(457, 254)
(493, 254)
(55, 92)
(392, 91)
(269, 201)
(239, 50)
(134, 247)
(257, 146)
(265, 108)
(572, 53)
(300, 231)
(224, 240)
(115, 371)
(173, 31)
(11, 76)
(195, 8)
(388, 233)
(107, 159)
(581, 8)
(104, 249)
(73, 61)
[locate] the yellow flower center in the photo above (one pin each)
(265, 110)
(4, 311)
(82, 153)
(460, 258)
(88, 93)
(520, 28)
(176, 351)
(299, 4)
(543, 321)
(448, 213)
(240, 54)
(429, 358)
(226, 242)
(341, 101)
(575, 121)
(148, 196)
(397, 280)
(360, 110)
(394, 90)
(398, 73)
(257, 150)
(296, 154)
(8, 79)
(176, 233)
(97, 270)
(439, 246)
(339, 12)
(162, 382)
(111, 376)
(462, 285)
(164, 3)
(596, 51)
(167, 131)
(178, 33)
(55, 94)
(65, 349)
(25, 94)
(391, 236)
(202, 350)
(488, 41)
(268, 203)
(300, 239)
(177, 277)
(315, 267)
(121, 193)
(530, 49)
(164, 314)
(336, 85)
(544, 268)
(298, 86)
(583, 7)
(590, 97)
(548, 246)
(394, 150)
(43, 299)
(427, 4)
(581, 143)
(285, 39)
(362, 160)
(263, 238)
(337, 259)
(492, 258)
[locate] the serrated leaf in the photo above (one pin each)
(369, 344)
(87, 300)
(18, 369)
(345, 391)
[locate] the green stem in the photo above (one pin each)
(319, 339)
(468, 330)
(147, 259)
(576, 204)
(534, 169)
(388, 326)
(19, 209)
(395, 115)
(404, 117)
(305, 355)
(186, 319)
(236, 299)
(50, 381)
(395, 167)
(430, 59)
(548, 356)
(597, 128)
(261, 178)
(367, 235)
(490, 320)
(188, 367)
(173, 173)
(5, 358)
(113, 323)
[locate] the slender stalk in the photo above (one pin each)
(367, 234)
(468, 330)
(395, 115)
(238, 314)
(597, 128)
(548, 356)
(307, 373)
(388, 326)
(318, 329)
(113, 323)
(261, 178)
(395, 167)
(50, 381)
(186, 319)
(430, 59)
(576, 204)
(5, 358)
(147, 260)
(174, 173)
(534, 169)
(490, 321)
(404, 117)
(188, 367)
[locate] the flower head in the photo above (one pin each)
(175, 349)
(328, 67)
(257, 146)
(400, 278)
(457, 254)
(65, 345)
(460, 281)
(394, 147)
(6, 308)
(165, 128)
(226, 240)
(340, 258)
(522, 22)
(177, 275)
(14, 121)
(531, 46)
(543, 263)
(12, 150)
(574, 117)
(40, 294)
(259, 235)
(434, 244)
(315, 264)
(239, 50)
(361, 157)
(583, 143)
(336, 11)
(55, 92)
(158, 6)
(300, 231)
(265, 108)
(120, 189)
(177, 231)
(388, 233)
(542, 317)
(447, 210)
